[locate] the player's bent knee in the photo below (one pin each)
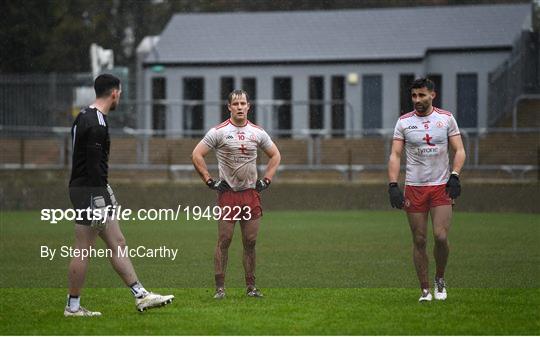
(120, 243)
(84, 244)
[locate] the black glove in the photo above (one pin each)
(396, 197)
(218, 185)
(453, 187)
(262, 184)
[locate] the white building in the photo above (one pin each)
(354, 66)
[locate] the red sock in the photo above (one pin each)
(250, 281)
(220, 280)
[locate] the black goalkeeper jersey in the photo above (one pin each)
(91, 143)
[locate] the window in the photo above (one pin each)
(372, 101)
(338, 104)
(405, 102)
(467, 100)
(283, 109)
(158, 109)
(194, 107)
(437, 80)
(249, 85)
(227, 85)
(316, 106)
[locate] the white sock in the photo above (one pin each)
(74, 303)
(138, 290)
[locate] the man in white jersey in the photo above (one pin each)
(430, 187)
(236, 142)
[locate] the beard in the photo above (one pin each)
(421, 107)
(113, 106)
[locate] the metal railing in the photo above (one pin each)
(517, 76)
(489, 149)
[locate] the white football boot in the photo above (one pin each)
(220, 293)
(426, 296)
(253, 292)
(440, 289)
(82, 312)
(151, 300)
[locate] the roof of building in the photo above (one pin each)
(337, 35)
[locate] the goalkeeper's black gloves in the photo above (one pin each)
(453, 187)
(218, 185)
(262, 184)
(396, 196)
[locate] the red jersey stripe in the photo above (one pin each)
(441, 111)
(219, 126)
(407, 115)
(255, 125)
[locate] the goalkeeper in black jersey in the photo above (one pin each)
(93, 199)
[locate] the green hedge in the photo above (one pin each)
(19, 194)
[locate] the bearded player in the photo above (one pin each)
(430, 187)
(235, 142)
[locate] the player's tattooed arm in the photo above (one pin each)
(456, 144)
(394, 161)
(453, 186)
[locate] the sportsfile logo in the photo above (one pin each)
(102, 215)
(55, 215)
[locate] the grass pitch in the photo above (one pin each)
(321, 272)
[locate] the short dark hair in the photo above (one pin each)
(237, 93)
(104, 84)
(423, 82)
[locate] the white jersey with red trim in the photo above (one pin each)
(236, 152)
(426, 146)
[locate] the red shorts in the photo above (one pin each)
(422, 198)
(241, 205)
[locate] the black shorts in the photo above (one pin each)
(82, 199)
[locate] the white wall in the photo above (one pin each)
(449, 64)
